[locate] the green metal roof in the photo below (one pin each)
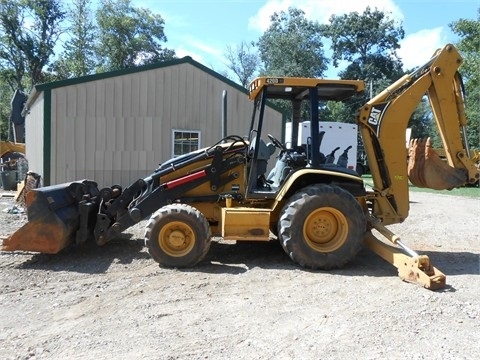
(37, 89)
(136, 69)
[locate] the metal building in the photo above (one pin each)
(118, 126)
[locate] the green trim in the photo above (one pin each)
(137, 69)
(47, 135)
(132, 70)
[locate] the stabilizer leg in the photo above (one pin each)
(411, 267)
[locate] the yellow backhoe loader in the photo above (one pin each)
(321, 212)
(11, 151)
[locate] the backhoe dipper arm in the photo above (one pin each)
(383, 122)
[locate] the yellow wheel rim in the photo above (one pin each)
(176, 239)
(325, 229)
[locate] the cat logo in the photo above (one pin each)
(374, 116)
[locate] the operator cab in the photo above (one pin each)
(300, 100)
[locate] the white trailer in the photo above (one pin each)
(337, 135)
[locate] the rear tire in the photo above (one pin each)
(178, 235)
(322, 227)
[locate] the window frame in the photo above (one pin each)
(174, 131)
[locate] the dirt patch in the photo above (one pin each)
(246, 300)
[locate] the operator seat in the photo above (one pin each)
(265, 151)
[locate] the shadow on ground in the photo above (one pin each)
(90, 258)
(233, 258)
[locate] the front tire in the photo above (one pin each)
(322, 227)
(178, 235)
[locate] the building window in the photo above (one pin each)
(185, 141)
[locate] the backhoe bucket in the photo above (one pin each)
(53, 217)
(426, 168)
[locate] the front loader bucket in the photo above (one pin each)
(53, 217)
(426, 169)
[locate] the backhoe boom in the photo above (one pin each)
(387, 115)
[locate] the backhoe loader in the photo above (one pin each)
(11, 151)
(321, 213)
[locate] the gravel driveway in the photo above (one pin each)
(246, 300)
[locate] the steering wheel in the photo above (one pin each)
(276, 142)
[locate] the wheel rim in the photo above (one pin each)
(176, 239)
(325, 229)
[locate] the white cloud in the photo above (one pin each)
(174, 20)
(193, 47)
(182, 52)
(321, 10)
(203, 53)
(417, 48)
(204, 47)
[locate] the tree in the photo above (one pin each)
(78, 57)
(292, 46)
(421, 122)
(12, 60)
(469, 47)
(243, 62)
(5, 97)
(31, 29)
(129, 36)
(368, 41)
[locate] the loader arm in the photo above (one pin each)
(147, 195)
(385, 116)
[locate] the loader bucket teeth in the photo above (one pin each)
(53, 218)
(426, 169)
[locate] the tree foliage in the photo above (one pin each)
(31, 29)
(242, 61)
(292, 46)
(12, 60)
(368, 42)
(129, 36)
(78, 57)
(469, 47)
(119, 36)
(6, 131)
(421, 122)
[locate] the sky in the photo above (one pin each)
(203, 29)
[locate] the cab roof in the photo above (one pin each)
(296, 88)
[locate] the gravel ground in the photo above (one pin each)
(246, 300)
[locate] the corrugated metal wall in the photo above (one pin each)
(34, 136)
(118, 129)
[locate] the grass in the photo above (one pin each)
(472, 192)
